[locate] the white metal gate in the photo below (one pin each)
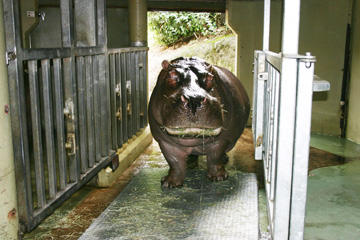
(71, 107)
(283, 86)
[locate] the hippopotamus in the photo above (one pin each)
(196, 109)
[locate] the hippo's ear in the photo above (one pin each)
(210, 69)
(165, 64)
(209, 83)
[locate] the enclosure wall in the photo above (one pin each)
(8, 208)
(322, 32)
(47, 33)
(118, 27)
(353, 129)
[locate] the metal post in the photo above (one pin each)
(290, 33)
(266, 33)
(138, 22)
(290, 38)
(8, 203)
(301, 149)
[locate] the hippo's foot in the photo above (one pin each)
(217, 173)
(170, 181)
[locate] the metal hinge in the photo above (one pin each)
(10, 56)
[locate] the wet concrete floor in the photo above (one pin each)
(333, 202)
(333, 195)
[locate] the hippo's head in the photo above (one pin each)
(191, 106)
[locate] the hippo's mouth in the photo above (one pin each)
(193, 132)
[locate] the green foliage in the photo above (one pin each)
(175, 27)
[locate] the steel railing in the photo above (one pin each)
(283, 87)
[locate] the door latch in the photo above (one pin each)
(118, 90)
(118, 114)
(70, 144)
(10, 56)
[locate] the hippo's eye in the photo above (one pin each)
(208, 81)
(172, 80)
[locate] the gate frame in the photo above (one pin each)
(285, 152)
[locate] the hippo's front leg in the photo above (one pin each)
(216, 161)
(176, 158)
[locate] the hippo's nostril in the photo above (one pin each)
(195, 103)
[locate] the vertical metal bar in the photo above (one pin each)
(70, 84)
(301, 149)
(108, 148)
(286, 127)
(275, 141)
(290, 31)
(97, 110)
(119, 99)
(80, 70)
(141, 88)
(133, 93)
(124, 97)
(18, 118)
(146, 86)
(49, 127)
(90, 110)
(255, 90)
(259, 104)
(101, 23)
(129, 88)
(137, 91)
(266, 33)
(105, 103)
(36, 132)
(285, 152)
(60, 126)
(269, 120)
(66, 7)
(71, 123)
(104, 75)
(113, 102)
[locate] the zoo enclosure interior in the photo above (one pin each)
(315, 9)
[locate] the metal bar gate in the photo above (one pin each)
(71, 109)
(285, 168)
(282, 99)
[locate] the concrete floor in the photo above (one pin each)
(333, 192)
(333, 202)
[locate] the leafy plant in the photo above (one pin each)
(175, 27)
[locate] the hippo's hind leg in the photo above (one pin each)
(176, 159)
(216, 166)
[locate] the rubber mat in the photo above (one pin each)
(201, 209)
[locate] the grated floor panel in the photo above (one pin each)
(201, 209)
